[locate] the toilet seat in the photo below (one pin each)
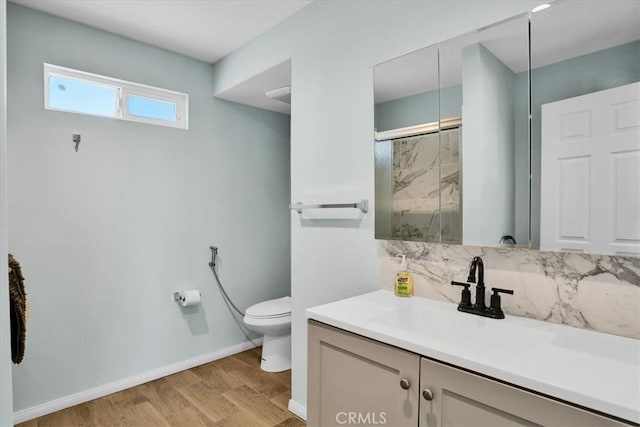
(271, 309)
(277, 324)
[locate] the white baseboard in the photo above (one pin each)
(103, 390)
(298, 409)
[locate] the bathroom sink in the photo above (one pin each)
(588, 368)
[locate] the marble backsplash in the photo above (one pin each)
(598, 292)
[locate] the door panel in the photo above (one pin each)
(626, 187)
(574, 199)
(590, 179)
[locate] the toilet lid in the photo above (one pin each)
(272, 308)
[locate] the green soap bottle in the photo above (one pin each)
(404, 280)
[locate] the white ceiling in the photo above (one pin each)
(567, 29)
(203, 29)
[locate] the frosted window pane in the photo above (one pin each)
(81, 97)
(151, 108)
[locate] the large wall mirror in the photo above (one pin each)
(585, 139)
(452, 143)
(407, 167)
(527, 134)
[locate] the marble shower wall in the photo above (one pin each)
(598, 292)
(415, 188)
(450, 215)
(423, 186)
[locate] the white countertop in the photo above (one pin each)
(591, 369)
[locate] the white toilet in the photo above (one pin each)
(273, 319)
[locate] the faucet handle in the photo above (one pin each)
(495, 301)
(465, 298)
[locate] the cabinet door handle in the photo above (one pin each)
(405, 384)
(427, 394)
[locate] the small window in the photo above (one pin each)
(84, 93)
(79, 96)
(150, 108)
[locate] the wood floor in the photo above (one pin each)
(228, 392)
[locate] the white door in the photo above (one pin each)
(591, 173)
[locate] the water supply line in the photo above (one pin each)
(212, 265)
(227, 300)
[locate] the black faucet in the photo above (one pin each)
(480, 307)
(476, 262)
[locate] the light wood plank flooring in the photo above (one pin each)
(228, 392)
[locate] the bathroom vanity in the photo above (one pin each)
(376, 359)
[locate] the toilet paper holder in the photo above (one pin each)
(188, 297)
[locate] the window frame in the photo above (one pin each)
(123, 89)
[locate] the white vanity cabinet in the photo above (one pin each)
(353, 380)
(453, 397)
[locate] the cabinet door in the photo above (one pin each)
(356, 381)
(461, 398)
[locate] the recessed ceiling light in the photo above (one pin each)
(541, 7)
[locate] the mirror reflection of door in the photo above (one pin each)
(591, 172)
(585, 116)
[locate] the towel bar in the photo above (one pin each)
(363, 205)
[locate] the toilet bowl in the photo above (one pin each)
(272, 318)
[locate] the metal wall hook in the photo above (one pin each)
(76, 140)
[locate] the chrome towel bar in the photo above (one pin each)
(363, 205)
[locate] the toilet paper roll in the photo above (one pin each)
(190, 297)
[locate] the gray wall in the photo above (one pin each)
(487, 162)
(419, 109)
(106, 235)
(6, 398)
(332, 119)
